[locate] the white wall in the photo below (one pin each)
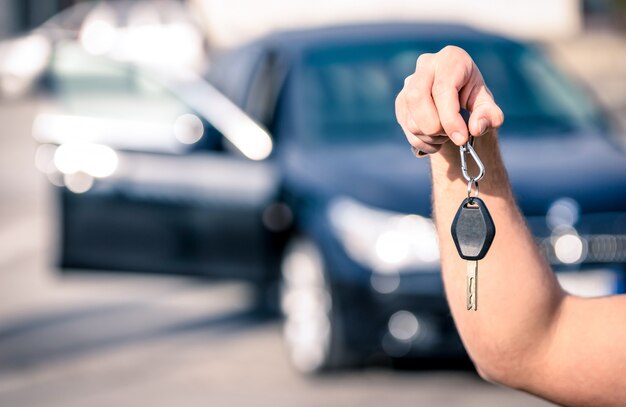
(231, 21)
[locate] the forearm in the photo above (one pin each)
(527, 333)
(518, 295)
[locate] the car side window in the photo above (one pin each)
(136, 111)
(252, 78)
(264, 90)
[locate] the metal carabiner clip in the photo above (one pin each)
(468, 148)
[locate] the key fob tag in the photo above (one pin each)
(473, 229)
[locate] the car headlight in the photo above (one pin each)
(384, 241)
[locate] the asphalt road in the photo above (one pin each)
(105, 339)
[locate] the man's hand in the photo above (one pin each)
(428, 107)
(527, 333)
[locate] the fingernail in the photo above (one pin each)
(457, 138)
(482, 126)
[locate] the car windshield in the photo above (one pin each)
(347, 92)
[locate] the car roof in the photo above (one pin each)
(233, 69)
(319, 36)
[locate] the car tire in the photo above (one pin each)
(313, 329)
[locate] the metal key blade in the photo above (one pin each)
(472, 271)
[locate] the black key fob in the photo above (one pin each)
(473, 229)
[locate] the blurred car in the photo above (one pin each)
(333, 206)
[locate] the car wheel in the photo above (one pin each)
(312, 326)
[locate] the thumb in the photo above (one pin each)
(486, 114)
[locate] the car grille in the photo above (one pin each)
(597, 249)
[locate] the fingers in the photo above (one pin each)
(486, 114)
(428, 107)
(434, 139)
(422, 146)
(427, 144)
(420, 106)
(416, 111)
(453, 71)
(447, 102)
(476, 97)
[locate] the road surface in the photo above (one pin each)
(110, 339)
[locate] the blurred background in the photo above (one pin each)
(209, 201)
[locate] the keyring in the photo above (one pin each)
(464, 150)
(471, 182)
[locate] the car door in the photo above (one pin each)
(193, 214)
(190, 183)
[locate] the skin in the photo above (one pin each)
(527, 333)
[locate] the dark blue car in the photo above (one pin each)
(334, 209)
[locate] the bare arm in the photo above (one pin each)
(528, 333)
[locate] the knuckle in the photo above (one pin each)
(398, 105)
(417, 96)
(415, 141)
(456, 58)
(423, 59)
(416, 91)
(398, 100)
(412, 127)
(448, 49)
(400, 108)
(412, 94)
(453, 50)
(499, 117)
(431, 128)
(399, 118)
(441, 87)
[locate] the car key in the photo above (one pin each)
(473, 229)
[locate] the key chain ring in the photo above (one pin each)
(471, 182)
(468, 148)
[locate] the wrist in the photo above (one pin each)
(448, 156)
(446, 163)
